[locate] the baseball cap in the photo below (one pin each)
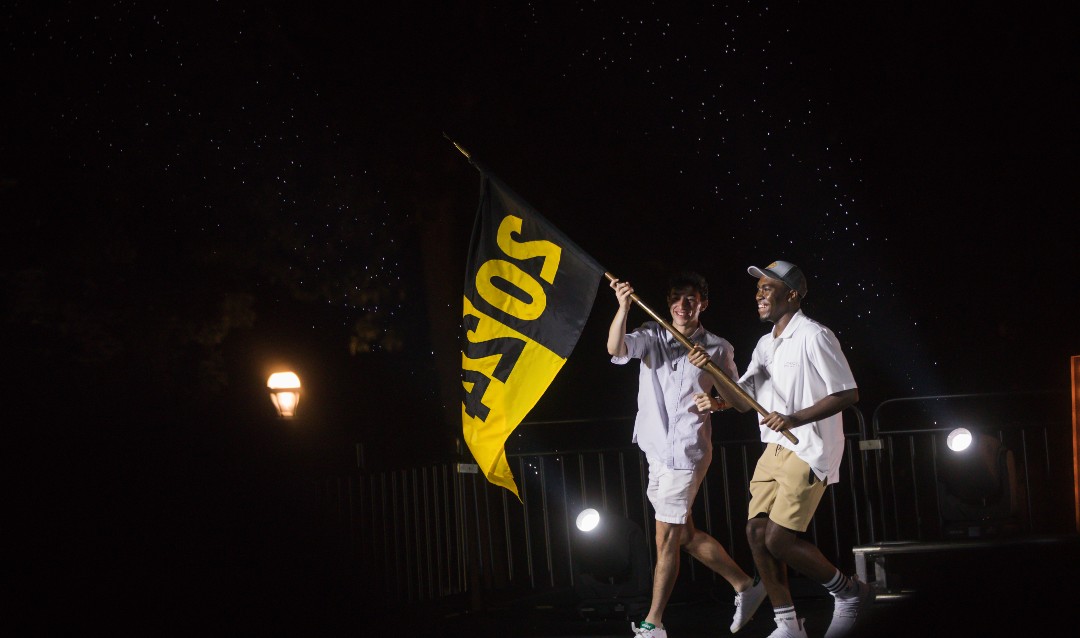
(784, 271)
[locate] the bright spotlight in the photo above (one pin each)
(959, 439)
(610, 562)
(978, 490)
(588, 519)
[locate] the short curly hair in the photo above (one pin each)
(688, 279)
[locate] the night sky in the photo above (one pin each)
(194, 196)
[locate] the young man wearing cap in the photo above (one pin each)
(799, 375)
(676, 438)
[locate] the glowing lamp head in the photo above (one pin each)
(959, 439)
(588, 519)
(284, 392)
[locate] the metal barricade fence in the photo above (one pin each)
(440, 531)
(909, 442)
(429, 533)
(1011, 490)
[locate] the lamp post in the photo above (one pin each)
(284, 392)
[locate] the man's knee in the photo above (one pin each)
(755, 530)
(670, 534)
(778, 540)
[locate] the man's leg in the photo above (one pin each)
(768, 489)
(785, 545)
(772, 570)
(668, 536)
(712, 554)
(789, 515)
(850, 596)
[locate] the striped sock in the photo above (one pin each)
(838, 584)
(786, 612)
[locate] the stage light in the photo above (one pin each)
(978, 491)
(959, 439)
(612, 569)
(588, 519)
(284, 392)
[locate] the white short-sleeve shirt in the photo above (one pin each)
(668, 427)
(793, 371)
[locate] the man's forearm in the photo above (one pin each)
(826, 407)
(616, 340)
(732, 398)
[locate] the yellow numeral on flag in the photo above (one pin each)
(521, 250)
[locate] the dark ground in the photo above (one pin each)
(1014, 590)
(1008, 591)
(272, 578)
(993, 592)
(996, 592)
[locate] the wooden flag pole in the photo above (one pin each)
(710, 367)
(459, 147)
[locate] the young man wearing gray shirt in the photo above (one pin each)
(676, 437)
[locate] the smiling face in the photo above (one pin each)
(775, 300)
(686, 306)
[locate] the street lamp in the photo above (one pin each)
(284, 392)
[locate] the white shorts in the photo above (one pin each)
(672, 492)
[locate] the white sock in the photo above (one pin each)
(840, 585)
(785, 613)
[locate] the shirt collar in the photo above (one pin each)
(694, 336)
(796, 319)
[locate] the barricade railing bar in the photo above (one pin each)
(437, 531)
(440, 531)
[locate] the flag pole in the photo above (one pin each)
(710, 367)
(458, 147)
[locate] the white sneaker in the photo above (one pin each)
(846, 609)
(788, 628)
(746, 603)
(655, 632)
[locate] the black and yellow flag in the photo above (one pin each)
(528, 293)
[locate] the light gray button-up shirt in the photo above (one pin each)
(669, 428)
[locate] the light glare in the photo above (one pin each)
(959, 439)
(588, 519)
(284, 392)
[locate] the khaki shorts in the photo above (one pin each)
(785, 488)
